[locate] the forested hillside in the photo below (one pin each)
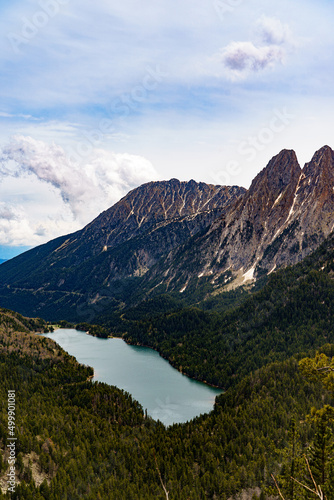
(84, 440)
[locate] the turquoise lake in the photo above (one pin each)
(167, 395)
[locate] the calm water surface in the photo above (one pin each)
(167, 395)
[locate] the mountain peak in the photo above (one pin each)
(321, 166)
(282, 170)
(324, 150)
(323, 153)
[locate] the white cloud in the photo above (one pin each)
(3, 114)
(15, 228)
(273, 32)
(84, 189)
(243, 58)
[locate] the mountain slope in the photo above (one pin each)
(145, 209)
(113, 251)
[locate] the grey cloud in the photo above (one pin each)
(242, 58)
(41, 231)
(7, 212)
(85, 189)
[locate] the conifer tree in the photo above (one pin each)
(321, 451)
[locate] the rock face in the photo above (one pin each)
(238, 240)
(284, 216)
(310, 217)
(149, 208)
(165, 235)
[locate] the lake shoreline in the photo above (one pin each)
(166, 393)
(111, 336)
(138, 344)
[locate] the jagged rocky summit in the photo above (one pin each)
(284, 216)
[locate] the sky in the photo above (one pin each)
(100, 97)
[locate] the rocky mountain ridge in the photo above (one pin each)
(113, 251)
(148, 208)
(283, 217)
(168, 235)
